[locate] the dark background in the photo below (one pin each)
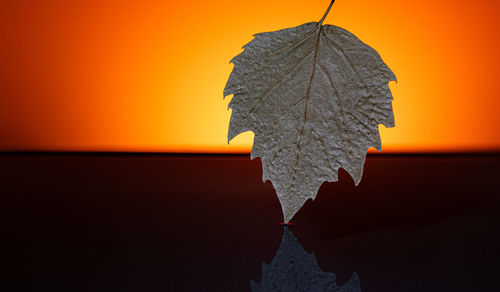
(153, 222)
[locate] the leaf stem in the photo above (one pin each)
(326, 13)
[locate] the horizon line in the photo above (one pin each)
(160, 153)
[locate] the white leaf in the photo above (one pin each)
(313, 95)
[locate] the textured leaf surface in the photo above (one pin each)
(313, 95)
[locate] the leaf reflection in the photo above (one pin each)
(293, 269)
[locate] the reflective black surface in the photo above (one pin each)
(99, 222)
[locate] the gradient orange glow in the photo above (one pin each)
(148, 75)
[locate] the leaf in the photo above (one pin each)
(293, 269)
(313, 95)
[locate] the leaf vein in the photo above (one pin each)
(261, 98)
(270, 58)
(341, 109)
(332, 43)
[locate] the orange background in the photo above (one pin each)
(148, 75)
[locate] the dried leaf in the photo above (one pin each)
(313, 95)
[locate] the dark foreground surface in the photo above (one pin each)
(208, 223)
